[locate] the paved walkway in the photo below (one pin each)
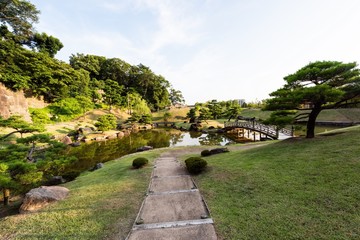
(173, 208)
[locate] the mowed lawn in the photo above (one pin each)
(293, 189)
(101, 205)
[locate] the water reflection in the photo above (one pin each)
(90, 154)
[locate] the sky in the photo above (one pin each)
(209, 49)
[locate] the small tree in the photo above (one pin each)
(191, 114)
(204, 114)
(315, 87)
(167, 116)
(233, 111)
(106, 122)
(20, 125)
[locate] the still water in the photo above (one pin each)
(89, 154)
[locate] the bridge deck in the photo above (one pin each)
(268, 130)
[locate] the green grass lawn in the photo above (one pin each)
(293, 189)
(101, 205)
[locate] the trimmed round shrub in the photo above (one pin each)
(195, 165)
(205, 153)
(139, 162)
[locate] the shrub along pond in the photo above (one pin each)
(89, 154)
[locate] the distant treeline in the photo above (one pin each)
(27, 63)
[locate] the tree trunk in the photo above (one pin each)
(310, 127)
(6, 194)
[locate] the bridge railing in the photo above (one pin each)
(269, 130)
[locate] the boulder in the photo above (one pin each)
(113, 136)
(194, 127)
(144, 148)
(75, 144)
(55, 180)
(66, 140)
(37, 198)
(97, 166)
(120, 135)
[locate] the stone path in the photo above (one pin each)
(173, 208)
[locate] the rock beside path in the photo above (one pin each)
(37, 198)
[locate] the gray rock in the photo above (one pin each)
(97, 166)
(144, 148)
(37, 198)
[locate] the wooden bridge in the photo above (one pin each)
(268, 130)
(165, 124)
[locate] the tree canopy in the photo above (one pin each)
(19, 15)
(317, 86)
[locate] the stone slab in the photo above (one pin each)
(175, 183)
(198, 232)
(170, 171)
(173, 207)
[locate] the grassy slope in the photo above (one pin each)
(294, 189)
(101, 205)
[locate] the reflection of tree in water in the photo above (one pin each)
(212, 139)
(159, 139)
(194, 134)
(176, 138)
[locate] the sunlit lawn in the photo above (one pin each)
(294, 189)
(102, 204)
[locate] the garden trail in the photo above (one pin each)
(173, 208)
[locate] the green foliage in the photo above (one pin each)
(195, 165)
(191, 113)
(46, 44)
(281, 118)
(19, 15)
(176, 96)
(40, 115)
(139, 162)
(233, 111)
(112, 93)
(66, 109)
(317, 86)
(146, 119)
(21, 126)
(205, 153)
(166, 116)
(205, 114)
(215, 109)
(137, 104)
(106, 122)
(23, 167)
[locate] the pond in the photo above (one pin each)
(89, 154)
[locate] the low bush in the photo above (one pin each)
(218, 150)
(195, 165)
(139, 162)
(205, 153)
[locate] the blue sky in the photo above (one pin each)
(209, 49)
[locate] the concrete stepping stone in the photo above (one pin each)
(171, 183)
(195, 232)
(173, 207)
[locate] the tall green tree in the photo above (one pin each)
(45, 44)
(176, 97)
(215, 109)
(112, 93)
(317, 86)
(19, 15)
